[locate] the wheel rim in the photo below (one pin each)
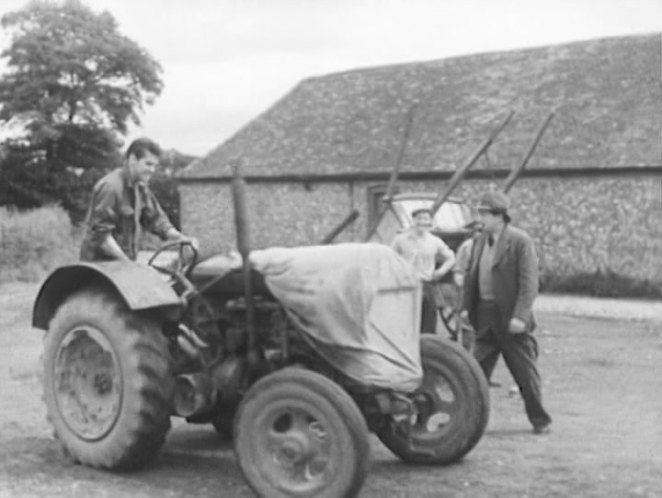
(87, 383)
(294, 448)
(450, 318)
(439, 408)
(447, 307)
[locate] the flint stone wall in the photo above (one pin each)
(581, 224)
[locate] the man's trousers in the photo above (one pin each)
(520, 352)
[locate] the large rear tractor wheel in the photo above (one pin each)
(297, 433)
(453, 408)
(107, 381)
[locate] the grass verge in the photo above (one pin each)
(33, 243)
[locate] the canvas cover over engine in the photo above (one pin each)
(358, 305)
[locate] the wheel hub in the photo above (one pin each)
(298, 448)
(295, 449)
(87, 384)
(438, 406)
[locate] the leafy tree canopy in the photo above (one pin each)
(73, 83)
(70, 65)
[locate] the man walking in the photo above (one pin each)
(425, 252)
(122, 206)
(499, 290)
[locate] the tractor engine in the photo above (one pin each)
(209, 349)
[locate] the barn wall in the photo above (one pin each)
(581, 224)
(589, 224)
(279, 214)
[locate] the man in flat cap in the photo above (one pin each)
(499, 290)
(430, 257)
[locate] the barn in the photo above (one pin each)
(591, 196)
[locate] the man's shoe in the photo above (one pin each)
(542, 429)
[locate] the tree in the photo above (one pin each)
(74, 84)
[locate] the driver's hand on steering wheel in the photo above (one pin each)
(175, 235)
(191, 240)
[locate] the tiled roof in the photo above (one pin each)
(607, 95)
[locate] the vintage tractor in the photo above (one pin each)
(294, 353)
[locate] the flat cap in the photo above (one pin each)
(496, 203)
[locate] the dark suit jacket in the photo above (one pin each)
(514, 277)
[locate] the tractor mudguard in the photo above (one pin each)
(140, 286)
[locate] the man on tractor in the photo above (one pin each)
(123, 205)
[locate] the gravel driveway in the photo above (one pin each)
(601, 384)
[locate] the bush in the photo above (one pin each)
(601, 284)
(34, 242)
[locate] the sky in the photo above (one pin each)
(227, 61)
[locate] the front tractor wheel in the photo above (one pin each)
(297, 433)
(453, 408)
(107, 381)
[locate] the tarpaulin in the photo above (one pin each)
(358, 305)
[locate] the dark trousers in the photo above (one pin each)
(520, 352)
(429, 311)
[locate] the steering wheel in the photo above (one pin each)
(182, 267)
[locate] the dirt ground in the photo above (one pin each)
(602, 384)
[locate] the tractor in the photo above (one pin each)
(295, 354)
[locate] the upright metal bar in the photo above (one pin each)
(348, 220)
(393, 178)
(461, 172)
(243, 246)
(514, 174)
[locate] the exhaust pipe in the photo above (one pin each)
(194, 394)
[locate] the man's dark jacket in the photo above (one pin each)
(514, 277)
(111, 212)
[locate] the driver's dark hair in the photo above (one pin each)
(141, 146)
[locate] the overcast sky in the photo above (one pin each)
(226, 61)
